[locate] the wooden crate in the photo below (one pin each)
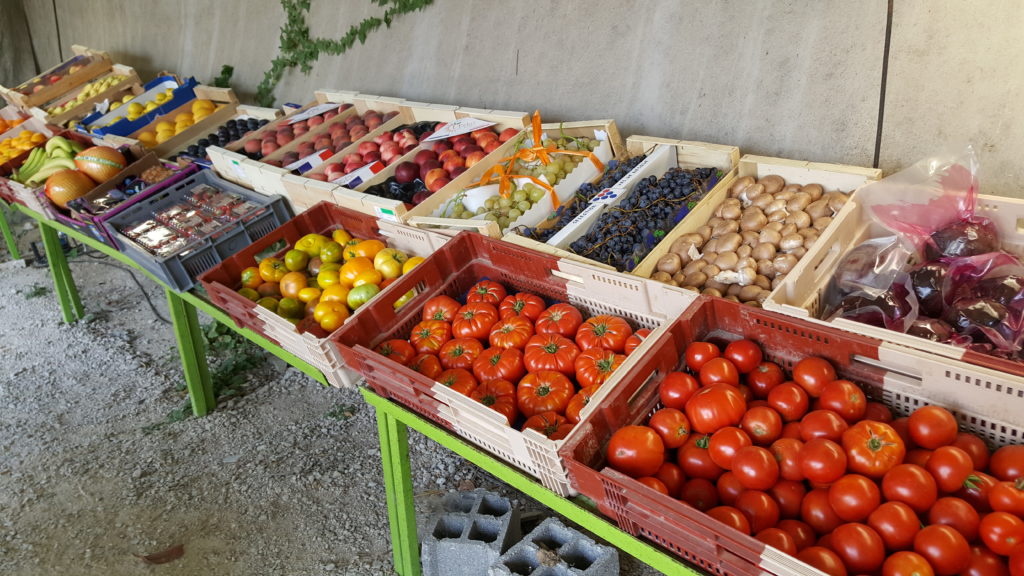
(131, 83)
(426, 214)
(93, 63)
(226, 103)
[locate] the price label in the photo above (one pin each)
(357, 177)
(236, 167)
(385, 214)
(306, 164)
(318, 109)
(460, 126)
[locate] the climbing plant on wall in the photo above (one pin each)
(298, 49)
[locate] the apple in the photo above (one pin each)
(507, 134)
(315, 121)
(371, 157)
(438, 183)
(457, 171)
(320, 177)
(433, 175)
(322, 143)
(368, 147)
(252, 146)
(353, 157)
(492, 146)
(406, 172)
(427, 167)
(424, 155)
(474, 157)
(389, 262)
(384, 137)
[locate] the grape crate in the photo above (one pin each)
(624, 234)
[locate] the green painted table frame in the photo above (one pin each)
(5, 228)
(393, 420)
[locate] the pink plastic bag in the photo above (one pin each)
(985, 296)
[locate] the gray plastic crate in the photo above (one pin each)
(181, 270)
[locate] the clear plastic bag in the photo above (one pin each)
(871, 286)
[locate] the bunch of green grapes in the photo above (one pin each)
(561, 165)
(502, 210)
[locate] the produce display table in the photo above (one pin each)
(393, 420)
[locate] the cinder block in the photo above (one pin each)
(469, 535)
(553, 549)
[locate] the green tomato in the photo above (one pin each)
(404, 299)
(361, 294)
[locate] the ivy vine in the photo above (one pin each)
(298, 49)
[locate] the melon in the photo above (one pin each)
(64, 186)
(101, 163)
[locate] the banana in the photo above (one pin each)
(31, 165)
(61, 153)
(78, 147)
(58, 142)
(53, 165)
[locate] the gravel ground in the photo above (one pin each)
(93, 474)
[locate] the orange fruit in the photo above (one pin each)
(353, 268)
(291, 283)
(309, 294)
(369, 277)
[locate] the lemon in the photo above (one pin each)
(115, 105)
(127, 98)
(164, 136)
(161, 98)
(151, 106)
(136, 109)
(147, 137)
(202, 105)
(183, 117)
(164, 125)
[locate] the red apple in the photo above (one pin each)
(384, 137)
(507, 134)
(315, 121)
(406, 172)
(474, 157)
(368, 147)
(427, 167)
(371, 157)
(457, 171)
(252, 146)
(424, 155)
(438, 183)
(492, 146)
(434, 175)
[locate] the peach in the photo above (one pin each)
(351, 167)
(371, 157)
(374, 122)
(315, 121)
(507, 134)
(344, 107)
(454, 162)
(305, 149)
(438, 183)
(252, 146)
(353, 157)
(272, 162)
(424, 155)
(406, 172)
(434, 175)
(336, 129)
(333, 169)
(320, 177)
(409, 148)
(483, 140)
(470, 149)
(456, 172)
(322, 143)
(427, 167)
(492, 146)
(289, 157)
(299, 131)
(283, 139)
(474, 157)
(368, 147)
(384, 137)
(329, 114)
(441, 146)
(390, 115)
(481, 132)
(390, 146)
(268, 148)
(352, 120)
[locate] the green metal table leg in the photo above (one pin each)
(67, 294)
(5, 227)
(394, 453)
(188, 333)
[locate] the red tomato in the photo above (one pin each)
(501, 364)
(912, 485)
(671, 425)
(932, 426)
(844, 398)
(822, 461)
(635, 340)
(460, 353)
(550, 424)
(544, 391)
(551, 352)
(907, 564)
(636, 451)
(1001, 532)
(474, 320)
(823, 559)
(486, 291)
(500, 396)
(593, 367)
(512, 332)
(763, 424)
(731, 517)
(1017, 561)
(562, 319)
(763, 378)
(719, 371)
(950, 466)
(1007, 463)
(822, 424)
(672, 476)
(802, 534)
(578, 402)
(918, 456)
(977, 490)
(789, 400)
(759, 508)
(896, 523)
(755, 467)
(699, 493)
(812, 374)
(787, 454)
(859, 546)
(745, 355)
(984, 562)
(698, 353)
(1008, 497)
(725, 443)
(872, 448)
(779, 539)
(715, 407)
(878, 412)
(441, 308)
(400, 351)
(604, 331)
(654, 484)
(957, 514)
(853, 497)
(676, 389)
(974, 446)
(946, 550)
(428, 336)
(729, 489)
(695, 460)
(791, 430)
(426, 364)
(818, 513)
(458, 379)
(521, 305)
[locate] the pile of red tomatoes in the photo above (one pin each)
(535, 364)
(807, 464)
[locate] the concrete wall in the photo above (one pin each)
(794, 79)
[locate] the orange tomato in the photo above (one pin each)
(272, 269)
(334, 293)
(367, 277)
(251, 277)
(341, 236)
(348, 253)
(352, 268)
(292, 283)
(333, 320)
(364, 249)
(324, 308)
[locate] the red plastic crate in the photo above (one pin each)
(690, 533)
(222, 282)
(452, 271)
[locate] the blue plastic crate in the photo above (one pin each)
(124, 127)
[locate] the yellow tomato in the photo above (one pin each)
(329, 307)
(327, 278)
(353, 268)
(412, 263)
(336, 293)
(309, 294)
(333, 320)
(341, 236)
(367, 277)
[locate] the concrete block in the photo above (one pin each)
(553, 549)
(469, 535)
